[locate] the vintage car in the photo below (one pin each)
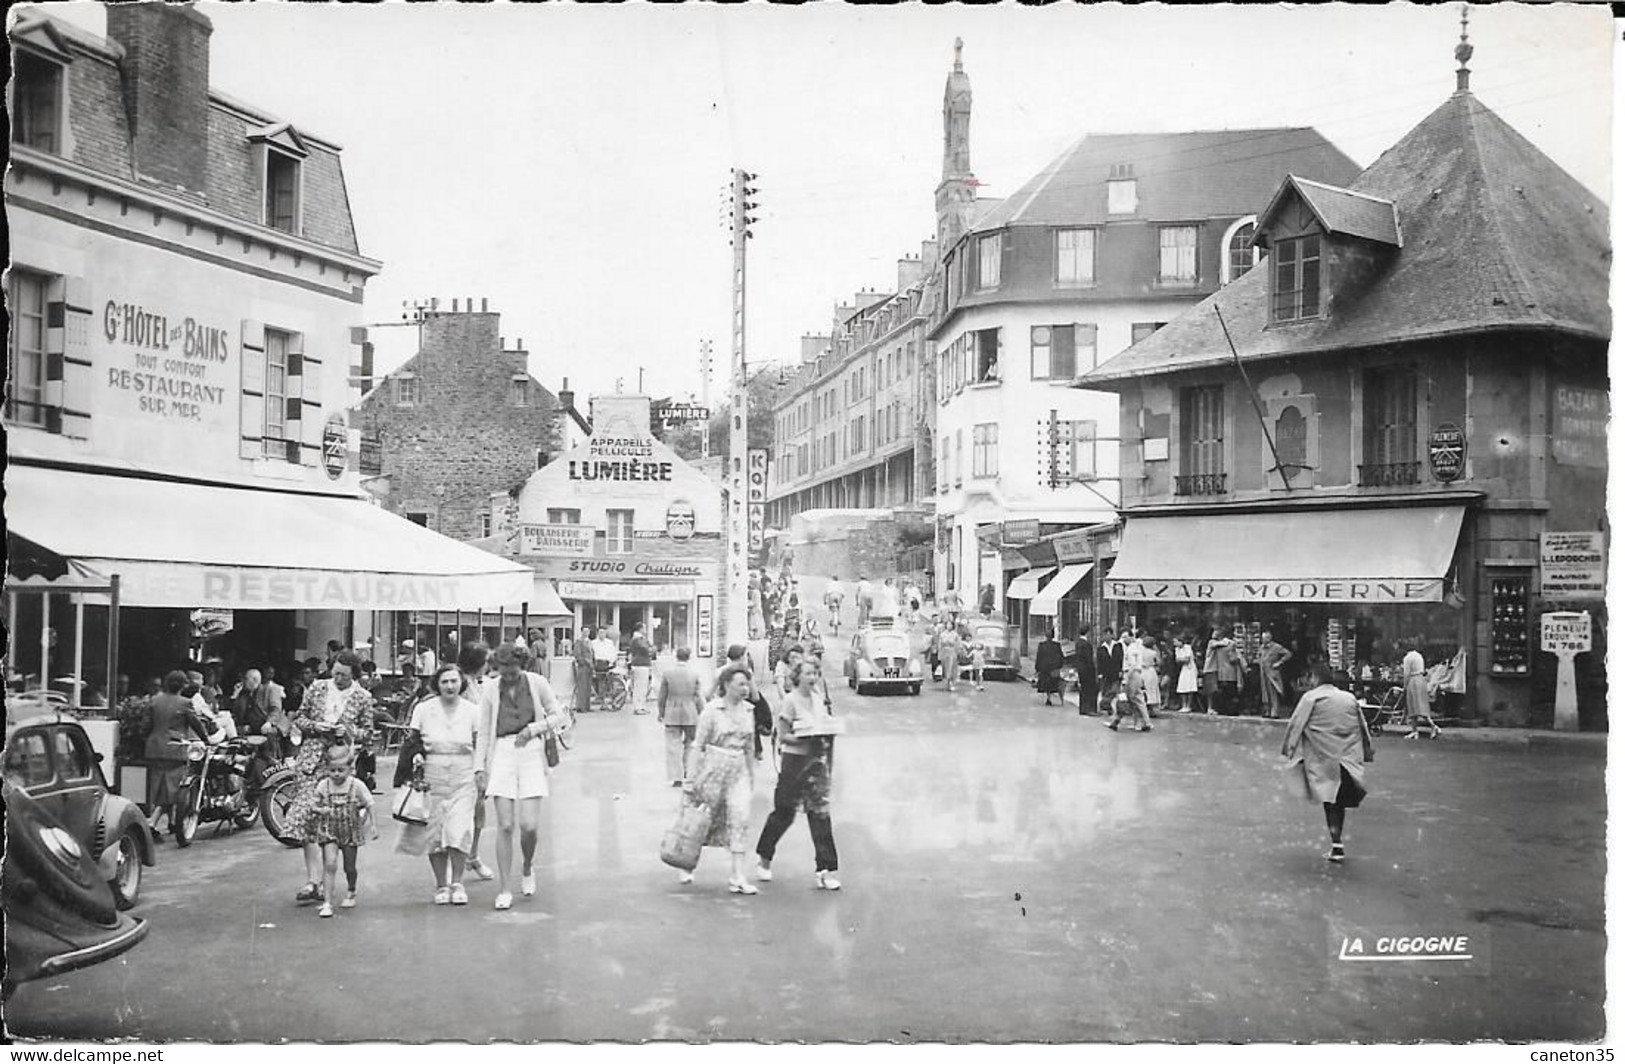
(1003, 643)
(60, 913)
(882, 657)
(50, 758)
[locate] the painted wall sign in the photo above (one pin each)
(1580, 427)
(1447, 452)
(173, 584)
(628, 458)
(583, 591)
(680, 520)
(555, 540)
(1573, 565)
(169, 369)
(1317, 589)
(335, 447)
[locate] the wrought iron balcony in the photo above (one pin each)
(1393, 474)
(1200, 484)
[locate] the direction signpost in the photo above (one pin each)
(1566, 635)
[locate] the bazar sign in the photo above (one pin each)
(166, 584)
(1315, 589)
(1580, 427)
(555, 540)
(1572, 565)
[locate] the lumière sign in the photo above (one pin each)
(626, 458)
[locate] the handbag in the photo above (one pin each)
(411, 806)
(680, 846)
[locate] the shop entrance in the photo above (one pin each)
(670, 626)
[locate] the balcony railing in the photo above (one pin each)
(1390, 475)
(1200, 484)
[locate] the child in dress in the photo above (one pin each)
(343, 811)
(978, 662)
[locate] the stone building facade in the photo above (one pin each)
(461, 420)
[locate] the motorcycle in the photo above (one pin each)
(279, 786)
(218, 786)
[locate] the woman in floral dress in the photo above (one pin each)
(335, 711)
(722, 771)
(449, 725)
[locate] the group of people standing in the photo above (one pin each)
(1143, 674)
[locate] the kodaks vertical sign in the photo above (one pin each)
(756, 496)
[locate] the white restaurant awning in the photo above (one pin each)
(1391, 554)
(195, 545)
(1025, 586)
(1048, 601)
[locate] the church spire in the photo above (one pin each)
(956, 193)
(1464, 52)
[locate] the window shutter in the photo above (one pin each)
(1085, 339)
(312, 370)
(253, 389)
(295, 404)
(1063, 354)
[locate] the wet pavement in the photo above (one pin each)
(1011, 872)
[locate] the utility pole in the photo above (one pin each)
(738, 627)
(705, 398)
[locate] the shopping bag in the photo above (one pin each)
(680, 847)
(411, 806)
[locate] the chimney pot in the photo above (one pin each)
(482, 305)
(454, 304)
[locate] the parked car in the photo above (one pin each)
(60, 911)
(884, 657)
(49, 757)
(1003, 643)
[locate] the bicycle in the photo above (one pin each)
(610, 690)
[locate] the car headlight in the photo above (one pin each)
(62, 846)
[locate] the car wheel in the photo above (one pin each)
(914, 690)
(126, 881)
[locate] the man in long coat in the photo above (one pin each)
(1083, 660)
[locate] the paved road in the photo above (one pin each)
(1012, 873)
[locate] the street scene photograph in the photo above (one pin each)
(747, 525)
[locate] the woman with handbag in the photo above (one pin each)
(1328, 743)
(520, 718)
(1047, 664)
(722, 772)
(447, 726)
(336, 711)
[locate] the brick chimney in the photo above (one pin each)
(165, 74)
(812, 347)
(909, 271)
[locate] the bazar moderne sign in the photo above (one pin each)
(1301, 589)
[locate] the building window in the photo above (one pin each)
(276, 394)
(1061, 352)
(1292, 442)
(559, 516)
(485, 523)
(618, 535)
(36, 102)
(1390, 455)
(986, 343)
(1121, 196)
(1240, 255)
(1141, 329)
(1080, 443)
(1075, 256)
(989, 257)
(1297, 278)
(985, 450)
(281, 191)
(418, 517)
(1201, 431)
(25, 354)
(541, 457)
(959, 457)
(519, 391)
(406, 390)
(1177, 261)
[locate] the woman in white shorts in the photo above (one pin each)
(516, 714)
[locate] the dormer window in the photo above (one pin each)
(989, 257)
(1122, 197)
(281, 153)
(1297, 278)
(519, 390)
(36, 102)
(1177, 255)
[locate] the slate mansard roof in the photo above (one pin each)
(1495, 236)
(1178, 176)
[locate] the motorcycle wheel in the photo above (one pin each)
(274, 803)
(126, 881)
(187, 819)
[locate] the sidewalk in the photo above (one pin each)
(1591, 742)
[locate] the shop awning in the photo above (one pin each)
(1025, 586)
(1048, 601)
(543, 603)
(1380, 555)
(194, 545)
